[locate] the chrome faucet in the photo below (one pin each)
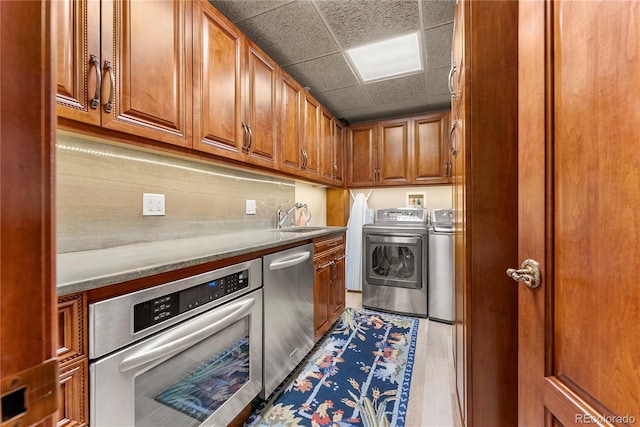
(280, 218)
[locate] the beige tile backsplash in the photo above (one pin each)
(99, 189)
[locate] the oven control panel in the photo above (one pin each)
(157, 310)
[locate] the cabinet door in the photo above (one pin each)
(73, 399)
(337, 286)
(338, 153)
(77, 27)
(310, 135)
(430, 160)
(326, 147)
(218, 51)
(393, 152)
(261, 108)
(321, 296)
(147, 87)
(289, 125)
(362, 146)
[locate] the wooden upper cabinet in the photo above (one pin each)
(327, 143)
(289, 124)
(261, 108)
(218, 55)
(362, 149)
(393, 152)
(117, 71)
(78, 60)
(235, 88)
(146, 79)
(310, 135)
(430, 162)
(407, 151)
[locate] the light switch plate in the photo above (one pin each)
(250, 207)
(152, 204)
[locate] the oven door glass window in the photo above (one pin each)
(394, 260)
(196, 382)
(200, 372)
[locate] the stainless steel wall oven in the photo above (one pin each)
(395, 262)
(185, 353)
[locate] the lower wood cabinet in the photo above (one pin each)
(329, 286)
(73, 408)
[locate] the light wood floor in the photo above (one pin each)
(432, 393)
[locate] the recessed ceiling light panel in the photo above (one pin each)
(387, 58)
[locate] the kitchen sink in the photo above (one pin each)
(299, 229)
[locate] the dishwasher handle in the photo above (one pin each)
(277, 265)
(189, 334)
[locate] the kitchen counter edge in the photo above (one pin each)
(87, 270)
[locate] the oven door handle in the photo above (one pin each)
(277, 265)
(182, 337)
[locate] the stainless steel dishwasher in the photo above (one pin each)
(288, 313)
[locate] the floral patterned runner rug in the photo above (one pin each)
(359, 376)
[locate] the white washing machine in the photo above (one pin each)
(441, 288)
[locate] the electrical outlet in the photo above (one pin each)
(250, 207)
(152, 204)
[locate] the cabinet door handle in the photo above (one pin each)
(454, 152)
(250, 139)
(95, 102)
(109, 105)
(304, 158)
(450, 83)
(334, 271)
(335, 171)
(246, 133)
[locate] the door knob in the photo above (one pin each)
(529, 273)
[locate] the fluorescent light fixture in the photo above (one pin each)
(387, 58)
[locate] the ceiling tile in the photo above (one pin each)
(291, 33)
(328, 72)
(347, 98)
(438, 47)
(236, 11)
(439, 102)
(437, 81)
(356, 23)
(436, 12)
(401, 89)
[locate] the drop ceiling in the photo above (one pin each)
(308, 39)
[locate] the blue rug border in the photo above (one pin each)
(259, 406)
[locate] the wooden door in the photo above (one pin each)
(79, 68)
(321, 282)
(579, 346)
(362, 155)
(28, 363)
(149, 82)
(430, 162)
(337, 297)
(218, 52)
(261, 114)
(289, 124)
(393, 152)
(310, 135)
(325, 151)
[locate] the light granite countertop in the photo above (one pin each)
(83, 271)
